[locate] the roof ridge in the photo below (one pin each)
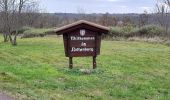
(81, 22)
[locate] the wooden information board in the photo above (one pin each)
(82, 39)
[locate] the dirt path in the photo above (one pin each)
(5, 97)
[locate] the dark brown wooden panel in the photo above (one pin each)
(82, 44)
(85, 54)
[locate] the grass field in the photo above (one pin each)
(37, 69)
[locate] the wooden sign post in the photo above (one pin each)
(82, 39)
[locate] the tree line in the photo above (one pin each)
(14, 14)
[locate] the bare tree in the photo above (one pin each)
(65, 19)
(31, 14)
(12, 16)
(163, 10)
(108, 20)
(143, 19)
(167, 2)
(4, 18)
(127, 21)
(82, 13)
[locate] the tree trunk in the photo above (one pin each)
(15, 40)
(166, 29)
(5, 37)
(10, 38)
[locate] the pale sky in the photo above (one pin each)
(97, 6)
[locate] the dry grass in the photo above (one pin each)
(150, 40)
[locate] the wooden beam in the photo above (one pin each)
(71, 62)
(94, 62)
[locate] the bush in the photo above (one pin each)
(149, 31)
(122, 31)
(128, 28)
(21, 30)
(32, 32)
(116, 32)
(130, 31)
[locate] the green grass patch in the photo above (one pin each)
(37, 69)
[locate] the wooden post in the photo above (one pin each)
(71, 62)
(94, 62)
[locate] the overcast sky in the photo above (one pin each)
(98, 6)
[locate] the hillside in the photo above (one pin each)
(37, 69)
(152, 18)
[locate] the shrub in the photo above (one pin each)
(127, 29)
(21, 30)
(130, 31)
(116, 32)
(149, 31)
(32, 32)
(122, 31)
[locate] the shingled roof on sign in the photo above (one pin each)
(82, 24)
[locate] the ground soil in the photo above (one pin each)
(5, 97)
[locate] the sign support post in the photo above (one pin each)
(71, 62)
(94, 62)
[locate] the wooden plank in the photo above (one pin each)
(71, 62)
